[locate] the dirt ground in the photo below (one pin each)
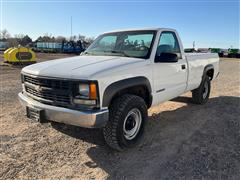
(182, 140)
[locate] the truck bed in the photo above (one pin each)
(196, 64)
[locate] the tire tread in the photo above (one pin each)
(197, 93)
(116, 110)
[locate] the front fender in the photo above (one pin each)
(118, 86)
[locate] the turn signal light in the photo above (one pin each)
(93, 91)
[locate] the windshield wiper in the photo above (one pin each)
(117, 52)
(86, 53)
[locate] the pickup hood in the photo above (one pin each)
(79, 67)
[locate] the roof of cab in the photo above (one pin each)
(140, 29)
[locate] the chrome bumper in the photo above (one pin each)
(89, 119)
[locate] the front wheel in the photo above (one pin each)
(201, 94)
(127, 118)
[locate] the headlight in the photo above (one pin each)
(83, 90)
(86, 95)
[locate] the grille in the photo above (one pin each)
(51, 83)
(48, 91)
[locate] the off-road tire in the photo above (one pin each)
(198, 94)
(113, 131)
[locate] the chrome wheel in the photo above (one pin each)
(132, 124)
(205, 90)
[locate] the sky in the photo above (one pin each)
(210, 23)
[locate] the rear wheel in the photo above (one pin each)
(201, 94)
(127, 118)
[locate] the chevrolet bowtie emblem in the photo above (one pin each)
(38, 88)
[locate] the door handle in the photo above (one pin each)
(183, 66)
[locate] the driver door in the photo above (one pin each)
(170, 78)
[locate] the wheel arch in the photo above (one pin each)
(209, 71)
(137, 85)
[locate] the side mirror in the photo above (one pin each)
(167, 58)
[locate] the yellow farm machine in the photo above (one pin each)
(19, 55)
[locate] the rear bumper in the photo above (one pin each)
(89, 119)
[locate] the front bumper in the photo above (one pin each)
(89, 119)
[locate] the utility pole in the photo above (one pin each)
(71, 29)
(193, 44)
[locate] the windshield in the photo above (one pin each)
(136, 44)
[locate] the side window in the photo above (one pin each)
(168, 43)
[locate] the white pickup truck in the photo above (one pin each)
(114, 82)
